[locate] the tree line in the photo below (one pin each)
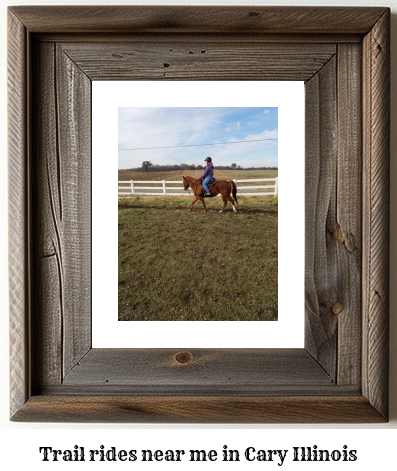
(147, 166)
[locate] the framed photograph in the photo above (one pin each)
(340, 375)
(172, 264)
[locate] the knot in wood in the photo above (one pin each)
(338, 235)
(183, 358)
(337, 308)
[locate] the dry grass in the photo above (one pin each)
(177, 175)
(180, 265)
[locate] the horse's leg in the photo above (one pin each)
(195, 199)
(228, 193)
(202, 200)
(232, 202)
(224, 204)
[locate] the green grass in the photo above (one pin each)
(181, 265)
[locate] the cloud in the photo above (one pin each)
(162, 135)
(233, 127)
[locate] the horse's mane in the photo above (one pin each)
(191, 179)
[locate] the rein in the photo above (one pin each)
(188, 188)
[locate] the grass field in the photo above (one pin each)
(177, 175)
(186, 266)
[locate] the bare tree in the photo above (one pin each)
(146, 165)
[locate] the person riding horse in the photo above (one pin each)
(226, 188)
(207, 175)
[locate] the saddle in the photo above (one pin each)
(211, 182)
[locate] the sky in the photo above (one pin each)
(247, 136)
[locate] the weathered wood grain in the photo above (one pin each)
(196, 19)
(347, 228)
(73, 90)
(376, 92)
(206, 368)
(338, 378)
(19, 224)
(62, 208)
(229, 59)
(48, 243)
(244, 37)
(199, 409)
(321, 261)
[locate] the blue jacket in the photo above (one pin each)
(209, 171)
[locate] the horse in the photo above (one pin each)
(225, 187)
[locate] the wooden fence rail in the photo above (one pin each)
(132, 187)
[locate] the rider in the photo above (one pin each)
(207, 175)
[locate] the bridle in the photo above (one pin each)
(186, 184)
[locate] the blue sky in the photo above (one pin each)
(176, 135)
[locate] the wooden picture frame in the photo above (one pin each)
(342, 54)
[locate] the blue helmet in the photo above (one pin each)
(208, 159)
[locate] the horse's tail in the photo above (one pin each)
(234, 191)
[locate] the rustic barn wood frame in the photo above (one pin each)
(342, 54)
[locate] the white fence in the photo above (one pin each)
(130, 187)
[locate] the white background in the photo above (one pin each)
(375, 443)
(288, 332)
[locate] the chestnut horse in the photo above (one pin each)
(225, 187)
